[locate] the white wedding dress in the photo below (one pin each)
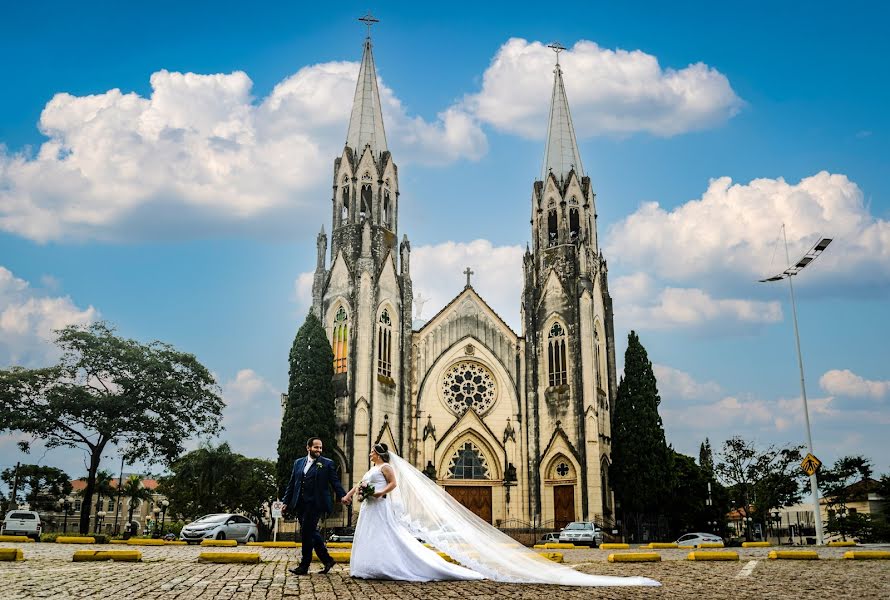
(386, 546)
(384, 549)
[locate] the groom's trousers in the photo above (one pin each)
(311, 537)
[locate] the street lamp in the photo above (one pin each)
(788, 273)
(154, 526)
(100, 516)
(164, 504)
(66, 503)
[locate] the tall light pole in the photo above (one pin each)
(788, 273)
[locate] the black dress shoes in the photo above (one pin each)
(299, 571)
(328, 566)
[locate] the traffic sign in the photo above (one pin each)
(810, 464)
(277, 509)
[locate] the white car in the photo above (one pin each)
(220, 526)
(581, 532)
(22, 522)
(697, 539)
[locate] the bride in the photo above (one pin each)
(407, 505)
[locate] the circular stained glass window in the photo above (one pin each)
(468, 384)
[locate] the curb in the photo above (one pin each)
(662, 545)
(229, 557)
(635, 557)
(339, 544)
(145, 542)
(867, 555)
(75, 540)
(176, 543)
(116, 555)
(274, 544)
(614, 546)
(841, 544)
(11, 554)
(728, 555)
(554, 556)
(15, 538)
(339, 557)
(756, 544)
(226, 543)
(446, 558)
(711, 545)
(794, 555)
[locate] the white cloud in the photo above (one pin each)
(640, 302)
(846, 383)
(28, 318)
(609, 91)
(252, 415)
(674, 383)
(732, 233)
(201, 156)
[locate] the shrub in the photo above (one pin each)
(50, 537)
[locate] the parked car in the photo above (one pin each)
(580, 533)
(342, 534)
(548, 538)
(221, 526)
(697, 539)
(22, 522)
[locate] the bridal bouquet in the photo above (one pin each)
(365, 491)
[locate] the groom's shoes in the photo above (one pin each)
(328, 566)
(299, 570)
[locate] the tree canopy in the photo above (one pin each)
(39, 485)
(149, 398)
(309, 411)
(642, 469)
(838, 488)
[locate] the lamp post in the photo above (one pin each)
(66, 504)
(154, 526)
(788, 273)
(164, 504)
(777, 517)
(100, 516)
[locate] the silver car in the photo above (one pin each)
(697, 539)
(581, 532)
(220, 526)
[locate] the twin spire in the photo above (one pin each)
(561, 154)
(366, 122)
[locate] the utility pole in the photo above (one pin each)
(15, 485)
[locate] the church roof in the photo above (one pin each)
(467, 291)
(561, 155)
(366, 122)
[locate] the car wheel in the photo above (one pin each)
(221, 535)
(251, 538)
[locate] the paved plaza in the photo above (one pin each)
(174, 572)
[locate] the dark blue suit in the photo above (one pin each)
(309, 496)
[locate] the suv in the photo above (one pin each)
(581, 532)
(22, 522)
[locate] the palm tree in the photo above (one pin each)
(102, 490)
(134, 492)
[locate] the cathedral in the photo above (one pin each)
(515, 426)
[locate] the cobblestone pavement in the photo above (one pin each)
(173, 572)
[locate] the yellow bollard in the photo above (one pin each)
(229, 557)
(793, 555)
(11, 554)
(867, 555)
(635, 557)
(728, 555)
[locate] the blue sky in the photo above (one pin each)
(166, 167)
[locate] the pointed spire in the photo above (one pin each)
(561, 154)
(366, 122)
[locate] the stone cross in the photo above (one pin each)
(469, 272)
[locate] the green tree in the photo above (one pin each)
(642, 467)
(706, 458)
(839, 487)
(134, 492)
(215, 479)
(41, 486)
(688, 508)
(760, 481)
(102, 489)
(310, 397)
(107, 390)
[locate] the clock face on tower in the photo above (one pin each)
(468, 384)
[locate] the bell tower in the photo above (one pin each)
(567, 325)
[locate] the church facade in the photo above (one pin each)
(515, 426)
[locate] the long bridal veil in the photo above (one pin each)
(430, 513)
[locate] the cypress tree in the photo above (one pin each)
(642, 466)
(706, 458)
(309, 411)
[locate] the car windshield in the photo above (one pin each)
(579, 526)
(29, 516)
(212, 518)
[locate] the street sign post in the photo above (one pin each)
(277, 514)
(810, 464)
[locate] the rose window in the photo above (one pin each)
(468, 384)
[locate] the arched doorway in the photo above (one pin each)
(468, 469)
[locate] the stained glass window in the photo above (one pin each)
(384, 345)
(468, 384)
(340, 340)
(468, 463)
(556, 356)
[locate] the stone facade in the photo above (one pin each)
(517, 427)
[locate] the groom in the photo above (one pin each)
(308, 496)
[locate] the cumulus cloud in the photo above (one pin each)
(732, 233)
(674, 383)
(610, 91)
(640, 301)
(28, 318)
(847, 383)
(252, 415)
(200, 156)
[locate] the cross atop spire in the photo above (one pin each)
(561, 154)
(366, 122)
(469, 272)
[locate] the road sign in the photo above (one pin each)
(810, 464)
(277, 509)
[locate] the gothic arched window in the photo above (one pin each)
(552, 232)
(468, 463)
(366, 202)
(574, 224)
(386, 210)
(384, 345)
(344, 205)
(604, 487)
(340, 339)
(556, 356)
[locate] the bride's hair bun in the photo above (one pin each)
(382, 451)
